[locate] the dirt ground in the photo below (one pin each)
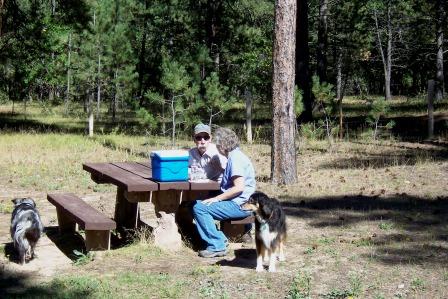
(353, 231)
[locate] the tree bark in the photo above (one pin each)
(389, 54)
(1, 16)
(439, 86)
(67, 96)
(322, 42)
(430, 98)
(283, 153)
(115, 98)
(98, 90)
(90, 108)
(141, 60)
(213, 24)
(249, 101)
(385, 57)
(302, 75)
(340, 95)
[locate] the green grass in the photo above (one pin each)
(122, 285)
(34, 160)
(300, 287)
(6, 206)
(417, 284)
(386, 225)
(205, 270)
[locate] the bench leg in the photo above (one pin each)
(232, 231)
(97, 240)
(126, 213)
(66, 223)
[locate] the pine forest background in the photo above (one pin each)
(165, 65)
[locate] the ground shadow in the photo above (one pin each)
(21, 122)
(20, 285)
(67, 242)
(244, 258)
(421, 223)
(389, 158)
(10, 253)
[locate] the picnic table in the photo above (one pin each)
(135, 184)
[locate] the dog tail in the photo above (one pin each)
(20, 236)
(35, 228)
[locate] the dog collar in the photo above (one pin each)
(264, 226)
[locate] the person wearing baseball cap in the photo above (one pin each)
(205, 161)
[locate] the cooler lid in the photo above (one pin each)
(170, 154)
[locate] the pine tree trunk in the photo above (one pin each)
(439, 87)
(340, 95)
(249, 100)
(173, 120)
(213, 24)
(430, 98)
(389, 55)
(98, 92)
(283, 154)
(90, 108)
(141, 60)
(303, 77)
(67, 96)
(385, 57)
(1, 15)
(322, 42)
(115, 99)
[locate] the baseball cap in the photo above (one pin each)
(201, 128)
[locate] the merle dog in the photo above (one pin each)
(26, 228)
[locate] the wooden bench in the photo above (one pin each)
(72, 209)
(234, 229)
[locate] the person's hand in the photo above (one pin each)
(209, 201)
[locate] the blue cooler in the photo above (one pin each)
(169, 165)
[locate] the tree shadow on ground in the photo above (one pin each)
(22, 122)
(389, 158)
(411, 229)
(20, 285)
(19, 124)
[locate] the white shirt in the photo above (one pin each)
(212, 162)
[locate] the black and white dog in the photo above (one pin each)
(26, 227)
(270, 228)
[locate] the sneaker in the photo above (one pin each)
(207, 253)
(247, 238)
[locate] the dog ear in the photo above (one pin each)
(266, 210)
(32, 202)
(15, 200)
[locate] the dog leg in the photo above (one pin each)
(281, 256)
(272, 260)
(260, 255)
(22, 255)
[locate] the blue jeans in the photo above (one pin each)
(205, 215)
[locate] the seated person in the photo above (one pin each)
(205, 162)
(237, 185)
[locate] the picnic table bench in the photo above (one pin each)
(72, 209)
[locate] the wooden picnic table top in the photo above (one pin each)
(137, 177)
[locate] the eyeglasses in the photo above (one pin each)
(200, 137)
